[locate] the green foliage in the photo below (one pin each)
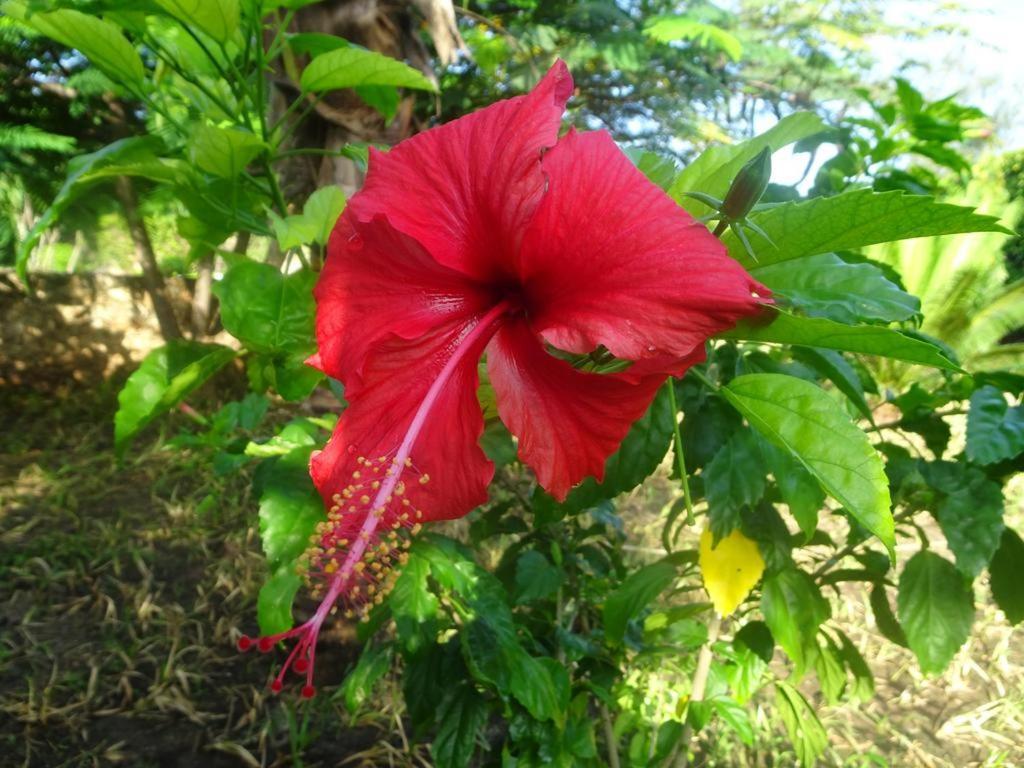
(166, 377)
(350, 67)
(936, 610)
(793, 415)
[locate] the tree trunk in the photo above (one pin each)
(202, 296)
(151, 277)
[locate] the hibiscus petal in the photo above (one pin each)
(395, 380)
(376, 283)
(466, 189)
(610, 259)
(568, 422)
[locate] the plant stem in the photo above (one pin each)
(700, 684)
(680, 457)
(704, 379)
(609, 737)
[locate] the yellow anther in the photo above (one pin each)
(375, 484)
(408, 462)
(400, 488)
(364, 535)
(364, 499)
(356, 475)
(360, 460)
(343, 542)
(424, 478)
(416, 529)
(331, 567)
(359, 567)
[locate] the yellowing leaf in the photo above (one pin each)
(730, 570)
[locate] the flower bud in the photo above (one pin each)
(748, 186)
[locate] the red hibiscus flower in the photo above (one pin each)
(491, 235)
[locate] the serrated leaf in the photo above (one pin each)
(99, 40)
(267, 310)
(785, 328)
(166, 376)
(713, 172)
(462, 714)
(730, 569)
(1006, 575)
(970, 513)
(217, 18)
(733, 479)
(536, 577)
(824, 285)
(995, 430)
(793, 609)
(351, 67)
(224, 152)
(635, 593)
(801, 418)
(853, 220)
(936, 610)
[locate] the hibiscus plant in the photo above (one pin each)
(526, 329)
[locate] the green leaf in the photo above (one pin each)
(736, 718)
(461, 716)
(863, 688)
(635, 593)
(351, 67)
(806, 733)
(936, 610)
(733, 479)
(314, 224)
(970, 513)
(82, 175)
(793, 609)
(374, 662)
(536, 577)
(268, 311)
(224, 152)
(802, 419)
(853, 220)
(667, 29)
(413, 605)
(100, 41)
(833, 366)
(290, 508)
(756, 637)
(167, 376)
(274, 604)
(217, 18)
(826, 286)
(1006, 576)
(797, 486)
(819, 332)
(642, 450)
(885, 619)
(995, 431)
(713, 172)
